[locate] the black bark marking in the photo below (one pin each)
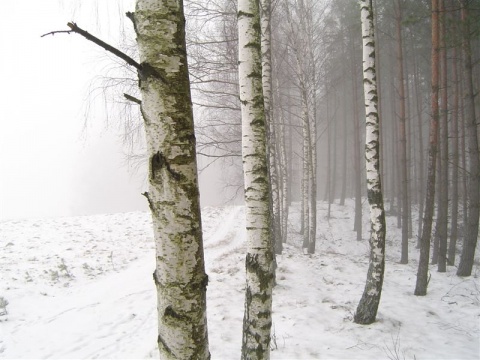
(158, 161)
(155, 278)
(162, 343)
(150, 203)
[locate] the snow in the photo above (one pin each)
(82, 287)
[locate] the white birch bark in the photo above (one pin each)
(265, 16)
(259, 259)
(173, 186)
(368, 306)
(283, 173)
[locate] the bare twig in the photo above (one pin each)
(144, 70)
(74, 28)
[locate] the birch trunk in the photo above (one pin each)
(306, 170)
(265, 8)
(283, 172)
(259, 259)
(368, 306)
(173, 195)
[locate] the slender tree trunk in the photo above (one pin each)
(452, 247)
(422, 274)
(334, 177)
(463, 147)
(402, 137)
(356, 152)
(368, 306)
(308, 75)
(327, 197)
(344, 145)
(306, 169)
(257, 319)
(283, 170)
(272, 154)
(442, 219)
(173, 186)
(421, 171)
(471, 233)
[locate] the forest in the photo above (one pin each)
(304, 107)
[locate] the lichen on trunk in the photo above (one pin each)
(368, 305)
(173, 194)
(259, 258)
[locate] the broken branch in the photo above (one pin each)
(132, 98)
(74, 28)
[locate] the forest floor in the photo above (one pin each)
(82, 287)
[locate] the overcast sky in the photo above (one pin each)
(49, 164)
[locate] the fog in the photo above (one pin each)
(60, 155)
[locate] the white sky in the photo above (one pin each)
(49, 166)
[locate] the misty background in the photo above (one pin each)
(62, 151)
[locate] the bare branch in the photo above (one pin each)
(132, 98)
(74, 28)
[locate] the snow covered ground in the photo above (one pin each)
(82, 287)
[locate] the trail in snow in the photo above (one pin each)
(107, 309)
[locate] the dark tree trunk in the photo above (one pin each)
(455, 163)
(421, 170)
(471, 228)
(422, 274)
(402, 134)
(442, 219)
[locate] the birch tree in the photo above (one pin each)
(259, 259)
(173, 195)
(276, 206)
(368, 306)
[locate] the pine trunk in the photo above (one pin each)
(452, 247)
(442, 219)
(422, 274)
(471, 228)
(402, 138)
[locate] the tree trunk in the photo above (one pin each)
(471, 228)
(259, 259)
(306, 169)
(421, 170)
(173, 186)
(283, 170)
(422, 274)
(442, 219)
(356, 150)
(343, 192)
(265, 8)
(402, 137)
(368, 306)
(452, 247)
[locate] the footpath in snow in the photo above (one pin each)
(82, 287)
